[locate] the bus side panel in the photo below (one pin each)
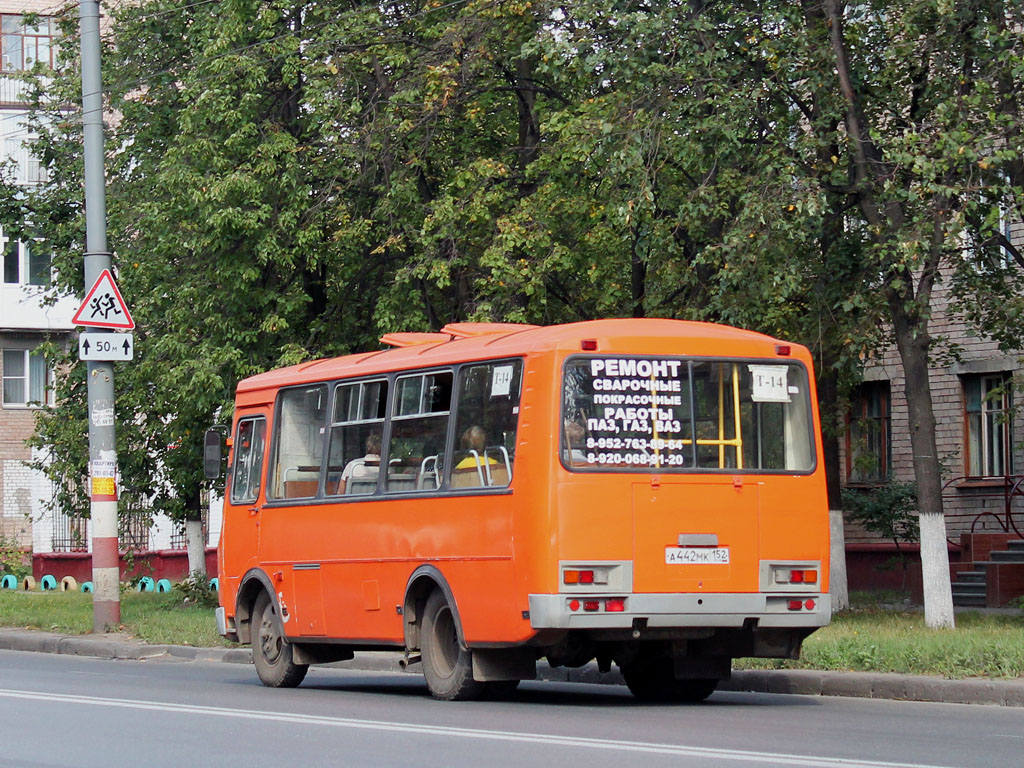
(346, 565)
(534, 493)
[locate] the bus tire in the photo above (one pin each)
(447, 666)
(271, 652)
(653, 680)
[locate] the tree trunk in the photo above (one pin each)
(828, 397)
(195, 543)
(913, 342)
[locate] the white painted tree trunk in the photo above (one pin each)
(938, 593)
(838, 585)
(196, 545)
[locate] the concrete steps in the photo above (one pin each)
(971, 587)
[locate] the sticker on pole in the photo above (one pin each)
(103, 306)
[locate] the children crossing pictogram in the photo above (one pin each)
(103, 306)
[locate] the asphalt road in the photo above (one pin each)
(75, 711)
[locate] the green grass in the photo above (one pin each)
(881, 635)
(152, 617)
(878, 634)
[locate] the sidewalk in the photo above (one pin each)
(1008, 693)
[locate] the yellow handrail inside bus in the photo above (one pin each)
(721, 442)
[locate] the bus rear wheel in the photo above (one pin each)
(654, 680)
(271, 652)
(447, 666)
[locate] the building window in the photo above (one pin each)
(23, 265)
(26, 379)
(987, 404)
(868, 436)
(23, 45)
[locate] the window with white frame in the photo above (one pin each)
(26, 378)
(987, 418)
(18, 136)
(24, 265)
(25, 44)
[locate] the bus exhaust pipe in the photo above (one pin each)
(408, 660)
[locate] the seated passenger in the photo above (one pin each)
(470, 470)
(473, 441)
(365, 468)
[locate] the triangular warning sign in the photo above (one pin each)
(103, 306)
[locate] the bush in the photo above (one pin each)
(12, 558)
(889, 510)
(196, 589)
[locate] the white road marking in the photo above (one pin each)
(773, 758)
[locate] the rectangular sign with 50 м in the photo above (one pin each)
(106, 346)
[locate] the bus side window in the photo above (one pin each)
(245, 475)
(298, 443)
(419, 426)
(486, 416)
(353, 464)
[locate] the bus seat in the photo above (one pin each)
(299, 489)
(401, 482)
(360, 485)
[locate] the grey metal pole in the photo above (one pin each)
(106, 610)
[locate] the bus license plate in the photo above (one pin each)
(697, 555)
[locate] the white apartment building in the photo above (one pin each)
(30, 314)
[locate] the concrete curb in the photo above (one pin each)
(805, 682)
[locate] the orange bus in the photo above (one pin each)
(641, 492)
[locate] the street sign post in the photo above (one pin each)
(106, 346)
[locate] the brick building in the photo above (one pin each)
(979, 437)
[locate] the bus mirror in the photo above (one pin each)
(213, 452)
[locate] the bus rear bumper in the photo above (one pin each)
(671, 611)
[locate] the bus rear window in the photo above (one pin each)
(674, 414)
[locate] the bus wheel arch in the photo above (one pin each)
(252, 585)
(423, 582)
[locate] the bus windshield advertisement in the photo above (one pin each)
(664, 414)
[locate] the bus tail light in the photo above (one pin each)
(795, 605)
(585, 576)
(802, 576)
(591, 605)
(615, 604)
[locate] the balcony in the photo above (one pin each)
(24, 308)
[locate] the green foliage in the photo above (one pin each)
(291, 180)
(888, 510)
(195, 589)
(13, 559)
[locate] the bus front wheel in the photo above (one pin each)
(271, 652)
(447, 666)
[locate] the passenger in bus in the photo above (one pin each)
(365, 468)
(469, 471)
(575, 439)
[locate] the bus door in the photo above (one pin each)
(696, 536)
(240, 534)
(294, 529)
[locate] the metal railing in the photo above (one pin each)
(1006, 489)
